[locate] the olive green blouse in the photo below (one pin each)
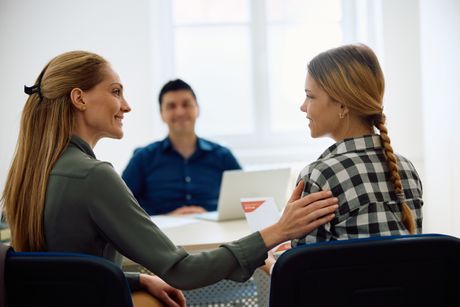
(89, 209)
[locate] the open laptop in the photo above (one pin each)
(238, 184)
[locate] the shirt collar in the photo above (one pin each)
(201, 144)
(362, 143)
(166, 144)
(82, 145)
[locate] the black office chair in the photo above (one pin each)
(418, 270)
(64, 279)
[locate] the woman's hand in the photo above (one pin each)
(301, 216)
(269, 263)
(161, 290)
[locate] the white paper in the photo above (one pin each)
(260, 213)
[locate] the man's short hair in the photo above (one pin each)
(174, 85)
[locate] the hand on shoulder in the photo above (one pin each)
(301, 216)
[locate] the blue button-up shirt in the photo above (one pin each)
(162, 180)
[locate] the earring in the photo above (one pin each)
(83, 108)
(341, 115)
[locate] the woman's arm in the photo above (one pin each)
(129, 229)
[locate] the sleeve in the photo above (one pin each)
(129, 229)
(134, 176)
(230, 162)
(133, 281)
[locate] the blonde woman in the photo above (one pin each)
(56, 185)
(379, 192)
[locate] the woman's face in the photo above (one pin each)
(322, 112)
(105, 108)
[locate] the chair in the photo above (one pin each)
(64, 279)
(415, 270)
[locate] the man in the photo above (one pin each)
(182, 173)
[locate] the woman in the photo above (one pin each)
(379, 192)
(56, 185)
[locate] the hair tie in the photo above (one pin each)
(401, 197)
(376, 119)
(29, 90)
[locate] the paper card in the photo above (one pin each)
(260, 213)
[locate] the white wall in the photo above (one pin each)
(401, 58)
(32, 32)
(440, 50)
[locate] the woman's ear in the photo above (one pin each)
(76, 96)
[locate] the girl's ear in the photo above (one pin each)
(343, 111)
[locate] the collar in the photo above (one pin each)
(82, 145)
(201, 144)
(363, 143)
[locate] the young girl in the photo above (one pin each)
(379, 192)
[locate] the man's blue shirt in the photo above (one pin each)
(162, 180)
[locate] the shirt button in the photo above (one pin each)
(188, 179)
(188, 196)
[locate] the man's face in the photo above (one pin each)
(179, 110)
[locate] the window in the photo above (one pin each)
(212, 52)
(247, 59)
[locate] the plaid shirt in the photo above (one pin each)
(356, 171)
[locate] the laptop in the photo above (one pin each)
(238, 184)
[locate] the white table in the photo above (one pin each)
(197, 235)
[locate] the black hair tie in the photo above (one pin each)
(29, 90)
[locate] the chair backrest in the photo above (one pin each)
(64, 279)
(418, 270)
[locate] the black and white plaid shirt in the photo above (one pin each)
(356, 171)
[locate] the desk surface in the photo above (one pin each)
(196, 235)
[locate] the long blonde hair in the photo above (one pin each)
(46, 126)
(351, 75)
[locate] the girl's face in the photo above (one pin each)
(105, 107)
(323, 113)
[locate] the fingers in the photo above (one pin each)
(169, 302)
(178, 297)
(321, 221)
(313, 197)
(313, 216)
(319, 213)
(167, 299)
(297, 192)
(319, 217)
(181, 298)
(318, 204)
(198, 209)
